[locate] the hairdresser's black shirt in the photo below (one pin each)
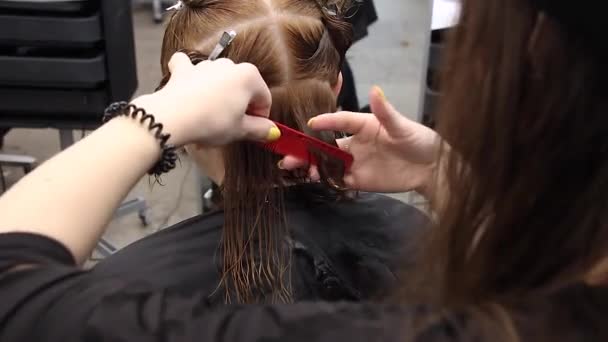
(156, 290)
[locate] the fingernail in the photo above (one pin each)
(273, 134)
(310, 122)
(280, 165)
(380, 93)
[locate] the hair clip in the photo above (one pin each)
(178, 6)
(226, 39)
(331, 11)
(334, 9)
(329, 7)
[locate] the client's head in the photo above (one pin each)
(299, 48)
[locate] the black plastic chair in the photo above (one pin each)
(62, 62)
(432, 90)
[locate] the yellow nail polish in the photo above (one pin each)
(310, 122)
(273, 134)
(380, 93)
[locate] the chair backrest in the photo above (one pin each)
(432, 93)
(63, 61)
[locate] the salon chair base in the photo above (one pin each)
(24, 162)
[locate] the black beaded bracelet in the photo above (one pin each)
(169, 157)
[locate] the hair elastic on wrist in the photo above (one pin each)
(168, 157)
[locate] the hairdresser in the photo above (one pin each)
(518, 183)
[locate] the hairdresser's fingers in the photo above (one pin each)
(350, 181)
(389, 117)
(348, 122)
(180, 63)
(345, 143)
(223, 61)
(261, 99)
(313, 174)
(259, 129)
(292, 163)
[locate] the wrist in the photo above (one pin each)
(424, 191)
(141, 118)
(162, 115)
(135, 137)
(426, 186)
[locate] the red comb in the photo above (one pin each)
(300, 145)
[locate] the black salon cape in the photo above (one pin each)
(148, 292)
(56, 302)
(342, 251)
(348, 250)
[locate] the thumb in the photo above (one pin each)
(180, 63)
(388, 116)
(260, 129)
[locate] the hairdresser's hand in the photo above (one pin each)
(208, 103)
(392, 153)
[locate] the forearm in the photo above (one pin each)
(72, 197)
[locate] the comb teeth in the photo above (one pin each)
(287, 145)
(272, 147)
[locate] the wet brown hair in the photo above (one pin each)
(525, 208)
(299, 47)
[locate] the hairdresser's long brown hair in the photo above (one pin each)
(526, 115)
(522, 190)
(299, 47)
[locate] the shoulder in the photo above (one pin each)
(369, 220)
(195, 230)
(184, 257)
(390, 206)
(356, 246)
(365, 207)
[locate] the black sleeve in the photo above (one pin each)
(21, 248)
(57, 302)
(156, 317)
(27, 294)
(168, 317)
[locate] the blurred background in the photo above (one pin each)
(394, 55)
